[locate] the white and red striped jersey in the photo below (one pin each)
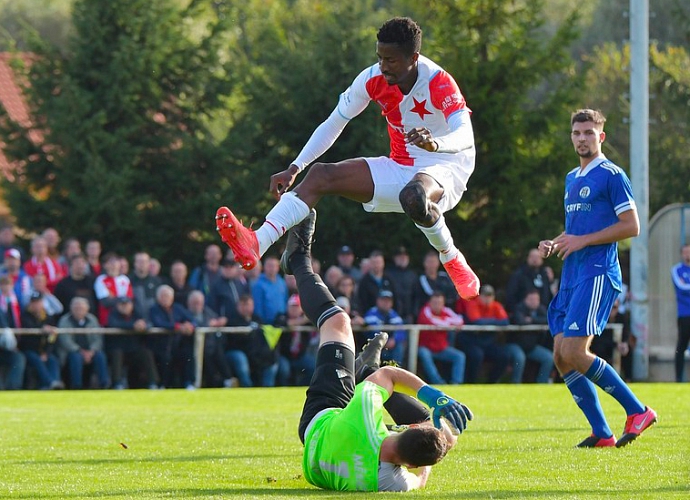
(107, 286)
(47, 266)
(434, 102)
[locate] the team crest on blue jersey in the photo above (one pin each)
(584, 192)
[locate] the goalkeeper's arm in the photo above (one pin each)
(397, 379)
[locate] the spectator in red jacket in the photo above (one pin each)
(434, 345)
(42, 263)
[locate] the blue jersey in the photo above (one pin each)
(680, 273)
(594, 198)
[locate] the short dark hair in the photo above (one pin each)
(422, 445)
(588, 115)
(403, 32)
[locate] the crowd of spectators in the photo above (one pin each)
(82, 291)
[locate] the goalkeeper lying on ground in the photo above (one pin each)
(347, 445)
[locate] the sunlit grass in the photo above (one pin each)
(242, 443)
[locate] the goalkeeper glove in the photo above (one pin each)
(457, 414)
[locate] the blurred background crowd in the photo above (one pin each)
(76, 288)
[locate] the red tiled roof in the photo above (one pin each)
(12, 100)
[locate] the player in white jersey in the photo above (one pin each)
(432, 156)
(599, 212)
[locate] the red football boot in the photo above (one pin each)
(635, 424)
(463, 277)
(240, 239)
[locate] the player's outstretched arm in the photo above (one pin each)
(392, 378)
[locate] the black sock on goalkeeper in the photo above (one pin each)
(317, 301)
(405, 410)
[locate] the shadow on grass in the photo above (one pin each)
(311, 492)
(154, 459)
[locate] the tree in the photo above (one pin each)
(126, 154)
(669, 157)
(522, 86)
(289, 66)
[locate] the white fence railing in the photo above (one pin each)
(412, 346)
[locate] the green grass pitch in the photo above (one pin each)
(242, 443)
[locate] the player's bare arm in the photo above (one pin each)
(392, 378)
(423, 475)
(282, 181)
(628, 226)
(421, 137)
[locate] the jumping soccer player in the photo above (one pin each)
(599, 212)
(432, 156)
(346, 444)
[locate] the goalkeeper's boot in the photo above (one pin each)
(635, 424)
(597, 442)
(299, 241)
(369, 360)
(240, 239)
(463, 277)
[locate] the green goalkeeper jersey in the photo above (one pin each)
(341, 448)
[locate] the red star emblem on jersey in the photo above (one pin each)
(420, 108)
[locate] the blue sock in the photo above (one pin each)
(603, 374)
(585, 395)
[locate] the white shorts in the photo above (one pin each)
(390, 178)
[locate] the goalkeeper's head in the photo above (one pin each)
(421, 445)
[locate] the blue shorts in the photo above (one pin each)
(583, 310)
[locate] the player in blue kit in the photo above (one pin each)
(599, 212)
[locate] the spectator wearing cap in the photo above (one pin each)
(79, 350)
(42, 263)
(128, 350)
(434, 345)
(227, 290)
(78, 283)
(404, 280)
(375, 280)
(384, 314)
(478, 346)
(178, 282)
(296, 363)
(346, 262)
(51, 304)
(40, 349)
(270, 292)
(21, 281)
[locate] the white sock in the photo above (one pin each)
(289, 210)
(440, 238)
